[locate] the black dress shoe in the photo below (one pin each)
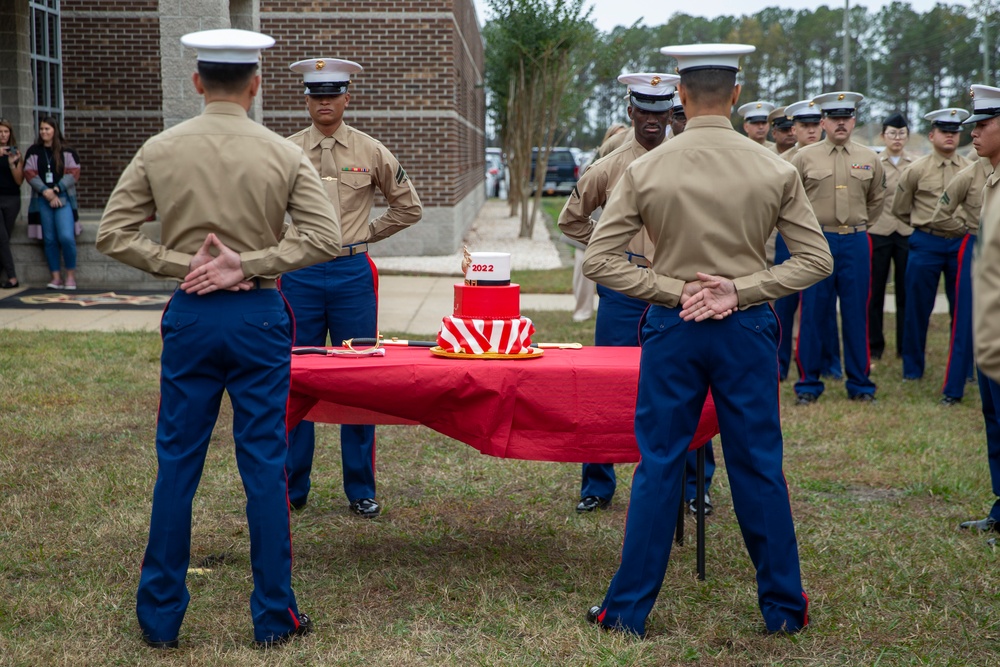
(693, 505)
(591, 503)
(161, 646)
(805, 399)
(299, 505)
(305, 627)
(983, 525)
(950, 400)
(864, 398)
(9, 285)
(366, 507)
(592, 615)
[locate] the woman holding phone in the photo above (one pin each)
(11, 177)
(52, 169)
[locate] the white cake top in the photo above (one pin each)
(491, 266)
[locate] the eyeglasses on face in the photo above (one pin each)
(896, 134)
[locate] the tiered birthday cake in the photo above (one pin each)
(487, 316)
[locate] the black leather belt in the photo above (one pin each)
(844, 229)
(353, 249)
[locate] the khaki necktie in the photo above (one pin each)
(842, 198)
(328, 166)
(328, 172)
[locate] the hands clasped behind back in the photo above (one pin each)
(708, 297)
(211, 273)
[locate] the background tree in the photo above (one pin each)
(535, 49)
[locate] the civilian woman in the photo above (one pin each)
(52, 169)
(11, 177)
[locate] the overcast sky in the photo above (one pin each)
(609, 13)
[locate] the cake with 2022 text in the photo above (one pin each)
(486, 321)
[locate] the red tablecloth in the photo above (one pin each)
(568, 405)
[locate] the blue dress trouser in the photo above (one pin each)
(339, 296)
(960, 351)
(930, 256)
(618, 321)
(785, 308)
(851, 281)
(989, 391)
(737, 358)
(58, 234)
(238, 342)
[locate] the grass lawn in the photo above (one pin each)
(481, 561)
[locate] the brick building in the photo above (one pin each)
(114, 72)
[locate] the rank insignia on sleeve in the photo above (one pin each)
(945, 199)
(401, 176)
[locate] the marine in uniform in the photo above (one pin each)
(227, 328)
(890, 238)
(755, 121)
(846, 186)
(678, 119)
(340, 296)
(781, 130)
(805, 117)
(958, 212)
(934, 251)
(650, 98)
(986, 288)
(708, 325)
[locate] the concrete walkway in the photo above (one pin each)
(414, 304)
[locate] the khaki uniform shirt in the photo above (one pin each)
(790, 153)
(865, 183)
(364, 165)
(986, 282)
(615, 142)
(708, 198)
(220, 173)
(887, 223)
(592, 192)
(921, 186)
(965, 190)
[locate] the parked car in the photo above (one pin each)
(496, 174)
(563, 171)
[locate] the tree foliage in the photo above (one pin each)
(899, 58)
(536, 49)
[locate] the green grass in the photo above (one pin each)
(481, 561)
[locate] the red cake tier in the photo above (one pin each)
(488, 303)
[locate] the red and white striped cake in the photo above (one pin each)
(486, 319)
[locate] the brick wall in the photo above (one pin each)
(420, 93)
(111, 87)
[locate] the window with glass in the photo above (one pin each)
(46, 59)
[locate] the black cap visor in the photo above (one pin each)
(838, 113)
(946, 126)
(327, 87)
(651, 103)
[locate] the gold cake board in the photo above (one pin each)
(441, 352)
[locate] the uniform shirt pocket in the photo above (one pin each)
(862, 174)
(819, 183)
(354, 190)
